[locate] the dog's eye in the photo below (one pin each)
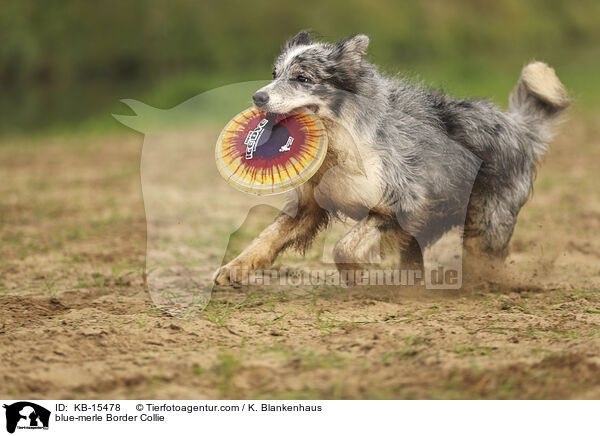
(303, 79)
(274, 74)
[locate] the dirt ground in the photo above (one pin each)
(76, 320)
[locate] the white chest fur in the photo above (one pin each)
(352, 186)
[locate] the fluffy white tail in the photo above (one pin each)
(539, 94)
(539, 98)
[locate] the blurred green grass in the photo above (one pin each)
(486, 82)
(64, 67)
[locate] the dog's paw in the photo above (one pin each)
(225, 276)
(230, 275)
(238, 270)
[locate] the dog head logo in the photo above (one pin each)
(26, 415)
(190, 213)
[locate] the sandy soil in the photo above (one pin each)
(76, 320)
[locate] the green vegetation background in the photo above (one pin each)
(65, 65)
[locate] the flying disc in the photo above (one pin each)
(263, 153)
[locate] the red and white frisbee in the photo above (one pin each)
(264, 154)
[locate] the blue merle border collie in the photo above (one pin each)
(406, 162)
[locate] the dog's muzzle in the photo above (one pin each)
(260, 98)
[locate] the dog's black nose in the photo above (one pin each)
(260, 98)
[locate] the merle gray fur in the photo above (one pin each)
(442, 161)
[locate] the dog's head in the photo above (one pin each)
(316, 75)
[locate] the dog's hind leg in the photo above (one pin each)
(291, 228)
(412, 255)
(487, 235)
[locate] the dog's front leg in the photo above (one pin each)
(287, 230)
(375, 235)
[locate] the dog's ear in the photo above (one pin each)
(302, 38)
(356, 45)
(351, 50)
